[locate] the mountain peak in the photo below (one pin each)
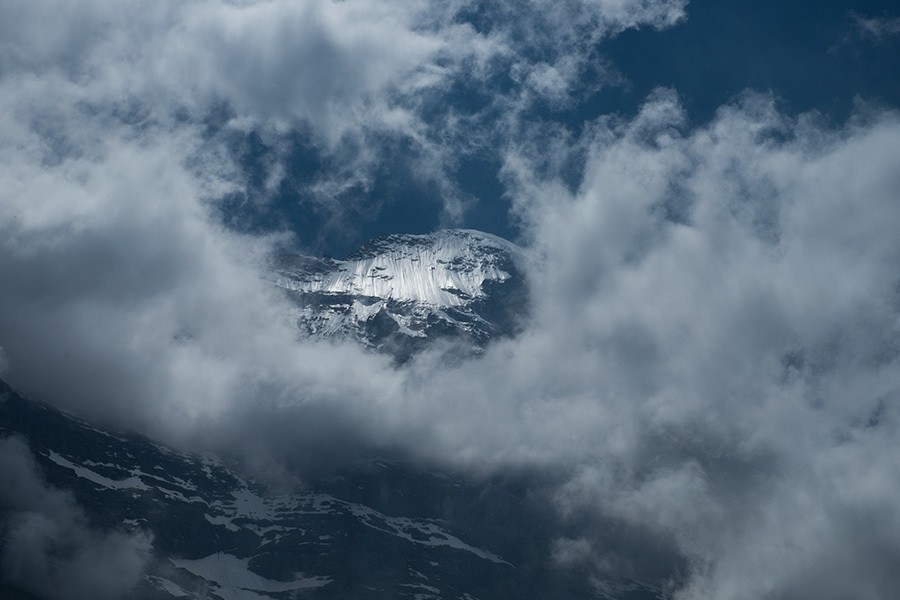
(455, 283)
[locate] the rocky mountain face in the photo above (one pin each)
(402, 293)
(374, 530)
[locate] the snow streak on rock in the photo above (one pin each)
(458, 284)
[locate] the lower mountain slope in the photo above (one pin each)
(374, 530)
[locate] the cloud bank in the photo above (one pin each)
(713, 354)
(727, 302)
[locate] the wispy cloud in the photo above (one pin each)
(877, 28)
(50, 549)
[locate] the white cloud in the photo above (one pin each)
(328, 64)
(714, 351)
(336, 66)
(726, 300)
(619, 15)
(877, 28)
(353, 74)
(116, 266)
(118, 274)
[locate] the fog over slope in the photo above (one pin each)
(713, 349)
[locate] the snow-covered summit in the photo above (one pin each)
(450, 283)
(446, 268)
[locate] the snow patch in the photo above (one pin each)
(235, 581)
(170, 587)
(84, 473)
(223, 521)
(425, 534)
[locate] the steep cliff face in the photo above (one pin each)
(400, 293)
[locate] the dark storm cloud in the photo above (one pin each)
(49, 548)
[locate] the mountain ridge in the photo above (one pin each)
(378, 529)
(401, 292)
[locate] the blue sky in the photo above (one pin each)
(811, 58)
